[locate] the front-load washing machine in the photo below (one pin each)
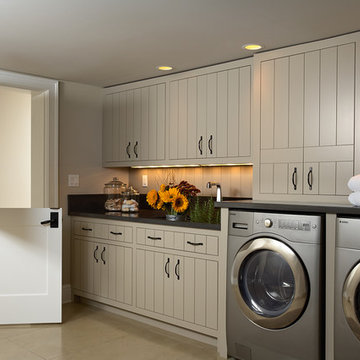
(274, 287)
(347, 290)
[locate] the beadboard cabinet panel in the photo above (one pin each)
(306, 105)
(163, 272)
(211, 113)
(134, 125)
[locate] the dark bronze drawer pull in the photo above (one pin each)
(154, 238)
(101, 255)
(86, 229)
(167, 267)
(96, 259)
(194, 244)
(177, 269)
(115, 233)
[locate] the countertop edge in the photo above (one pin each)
(319, 208)
(154, 221)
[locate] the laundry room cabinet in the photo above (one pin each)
(305, 115)
(163, 272)
(100, 267)
(210, 114)
(134, 125)
(179, 284)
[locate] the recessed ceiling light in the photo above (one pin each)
(164, 68)
(252, 47)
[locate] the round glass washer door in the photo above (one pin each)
(270, 283)
(351, 300)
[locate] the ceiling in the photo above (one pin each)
(107, 42)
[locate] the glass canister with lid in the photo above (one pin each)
(131, 200)
(114, 191)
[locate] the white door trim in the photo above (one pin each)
(51, 87)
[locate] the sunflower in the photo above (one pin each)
(169, 195)
(160, 205)
(162, 188)
(152, 197)
(180, 203)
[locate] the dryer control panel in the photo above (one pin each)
(300, 228)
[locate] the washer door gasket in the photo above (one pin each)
(290, 297)
(351, 300)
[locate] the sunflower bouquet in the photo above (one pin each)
(172, 199)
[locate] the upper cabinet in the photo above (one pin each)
(210, 115)
(305, 116)
(134, 125)
(196, 117)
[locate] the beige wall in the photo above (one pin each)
(236, 181)
(80, 118)
(15, 147)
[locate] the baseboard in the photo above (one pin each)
(167, 327)
(66, 294)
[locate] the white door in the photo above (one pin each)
(30, 266)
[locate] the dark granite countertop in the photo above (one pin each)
(92, 205)
(317, 208)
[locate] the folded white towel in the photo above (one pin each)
(354, 198)
(354, 183)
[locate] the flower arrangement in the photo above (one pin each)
(172, 199)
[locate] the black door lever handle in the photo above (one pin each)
(54, 220)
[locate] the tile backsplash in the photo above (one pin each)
(236, 181)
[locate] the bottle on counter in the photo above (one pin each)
(114, 191)
(131, 199)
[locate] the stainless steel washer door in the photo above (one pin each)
(351, 300)
(270, 283)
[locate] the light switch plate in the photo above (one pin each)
(74, 180)
(144, 180)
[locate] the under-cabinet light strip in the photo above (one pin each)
(184, 166)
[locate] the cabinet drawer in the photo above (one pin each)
(84, 228)
(200, 244)
(120, 233)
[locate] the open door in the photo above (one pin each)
(30, 263)
(30, 231)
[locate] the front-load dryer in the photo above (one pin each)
(347, 290)
(274, 287)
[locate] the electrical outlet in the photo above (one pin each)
(74, 180)
(144, 180)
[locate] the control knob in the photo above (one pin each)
(268, 223)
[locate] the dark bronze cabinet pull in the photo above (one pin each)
(310, 178)
(96, 249)
(154, 238)
(177, 269)
(127, 150)
(294, 178)
(210, 144)
(86, 229)
(167, 267)
(200, 145)
(135, 149)
(194, 244)
(115, 233)
(102, 253)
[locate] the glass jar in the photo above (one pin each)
(131, 199)
(114, 191)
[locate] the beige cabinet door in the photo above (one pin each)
(89, 257)
(200, 292)
(307, 104)
(210, 115)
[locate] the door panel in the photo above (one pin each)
(31, 253)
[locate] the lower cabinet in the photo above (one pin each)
(102, 269)
(166, 273)
(182, 287)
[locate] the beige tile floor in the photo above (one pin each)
(88, 333)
